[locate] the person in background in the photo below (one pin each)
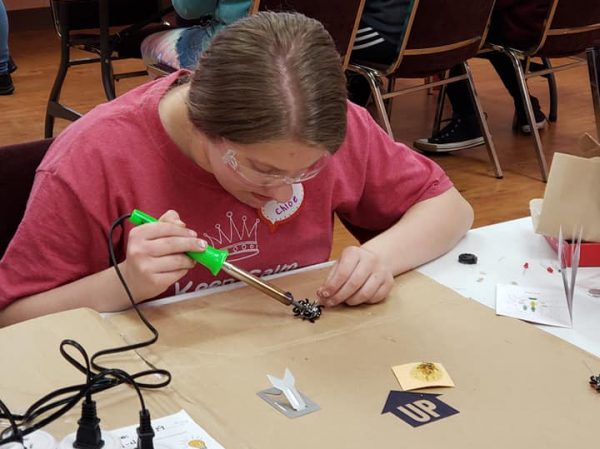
(7, 65)
(378, 40)
(256, 151)
(517, 24)
(180, 48)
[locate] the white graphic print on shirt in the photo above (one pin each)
(240, 240)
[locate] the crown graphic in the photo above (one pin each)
(239, 240)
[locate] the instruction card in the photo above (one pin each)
(537, 305)
(177, 431)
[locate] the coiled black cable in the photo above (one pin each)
(98, 377)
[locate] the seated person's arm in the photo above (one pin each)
(400, 205)
(155, 260)
(100, 291)
(427, 230)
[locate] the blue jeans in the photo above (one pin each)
(192, 42)
(3, 39)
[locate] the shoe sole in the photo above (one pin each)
(7, 91)
(427, 147)
(525, 129)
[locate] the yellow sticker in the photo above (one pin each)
(422, 375)
(426, 371)
(197, 444)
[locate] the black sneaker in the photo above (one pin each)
(459, 134)
(520, 119)
(6, 84)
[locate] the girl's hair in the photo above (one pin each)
(271, 76)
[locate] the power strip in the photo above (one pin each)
(36, 440)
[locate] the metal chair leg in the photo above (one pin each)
(552, 91)
(57, 86)
(593, 59)
(524, 90)
(388, 102)
(487, 136)
(376, 93)
(48, 126)
(108, 80)
(437, 121)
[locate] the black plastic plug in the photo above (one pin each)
(89, 435)
(145, 431)
(13, 435)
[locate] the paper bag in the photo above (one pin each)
(572, 196)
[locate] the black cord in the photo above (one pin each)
(99, 382)
(161, 372)
(98, 377)
(107, 379)
(15, 434)
(87, 370)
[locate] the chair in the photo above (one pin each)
(340, 18)
(17, 170)
(593, 58)
(438, 36)
(342, 27)
(135, 19)
(572, 27)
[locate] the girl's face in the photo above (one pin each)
(258, 173)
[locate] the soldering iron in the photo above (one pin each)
(215, 260)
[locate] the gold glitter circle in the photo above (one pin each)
(426, 371)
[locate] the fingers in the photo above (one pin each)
(358, 277)
(346, 277)
(156, 254)
(174, 245)
(375, 290)
(161, 239)
(171, 216)
(165, 264)
(167, 236)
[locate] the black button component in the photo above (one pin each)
(467, 258)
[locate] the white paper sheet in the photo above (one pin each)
(536, 305)
(175, 431)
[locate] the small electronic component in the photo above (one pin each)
(595, 382)
(307, 310)
(467, 258)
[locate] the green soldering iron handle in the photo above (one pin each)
(212, 258)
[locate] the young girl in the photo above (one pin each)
(253, 152)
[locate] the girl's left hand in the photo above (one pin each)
(359, 276)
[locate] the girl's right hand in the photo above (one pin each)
(156, 255)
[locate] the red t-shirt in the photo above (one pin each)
(118, 157)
